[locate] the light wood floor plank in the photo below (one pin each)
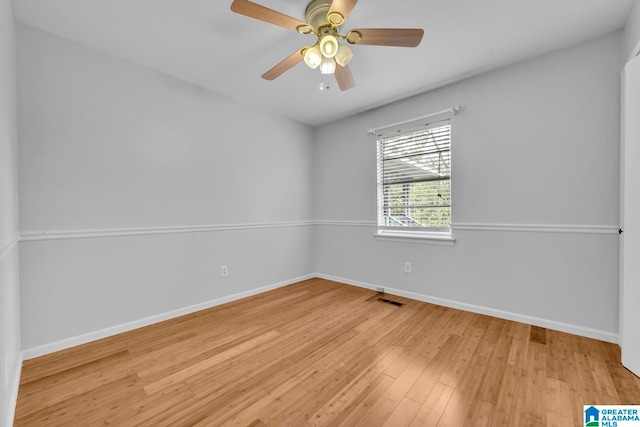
(320, 353)
(434, 406)
(404, 413)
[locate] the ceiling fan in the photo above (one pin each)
(324, 19)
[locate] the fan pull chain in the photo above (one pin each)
(324, 85)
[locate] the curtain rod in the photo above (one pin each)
(451, 110)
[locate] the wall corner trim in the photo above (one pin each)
(12, 243)
(635, 52)
(13, 389)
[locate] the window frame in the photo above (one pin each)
(429, 235)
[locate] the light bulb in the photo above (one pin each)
(328, 66)
(329, 46)
(344, 55)
(313, 57)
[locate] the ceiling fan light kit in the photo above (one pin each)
(343, 56)
(312, 56)
(324, 19)
(328, 46)
(327, 66)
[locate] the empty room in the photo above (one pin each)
(319, 213)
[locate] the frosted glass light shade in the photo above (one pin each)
(344, 55)
(329, 46)
(328, 66)
(313, 57)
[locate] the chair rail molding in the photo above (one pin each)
(141, 231)
(537, 228)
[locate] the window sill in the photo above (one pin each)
(434, 238)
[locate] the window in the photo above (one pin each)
(414, 179)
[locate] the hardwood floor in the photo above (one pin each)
(320, 353)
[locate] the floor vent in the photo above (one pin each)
(388, 301)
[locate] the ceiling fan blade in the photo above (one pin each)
(343, 7)
(344, 77)
(253, 10)
(403, 37)
(284, 65)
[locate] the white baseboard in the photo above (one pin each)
(113, 330)
(13, 388)
(63, 344)
(544, 323)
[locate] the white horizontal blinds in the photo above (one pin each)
(414, 182)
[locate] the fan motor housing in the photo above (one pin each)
(316, 14)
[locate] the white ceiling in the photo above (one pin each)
(203, 42)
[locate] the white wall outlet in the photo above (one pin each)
(224, 271)
(407, 267)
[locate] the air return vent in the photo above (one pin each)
(388, 301)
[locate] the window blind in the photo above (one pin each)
(414, 178)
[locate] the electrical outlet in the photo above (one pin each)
(407, 267)
(380, 289)
(224, 271)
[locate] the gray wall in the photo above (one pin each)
(136, 187)
(10, 360)
(535, 194)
